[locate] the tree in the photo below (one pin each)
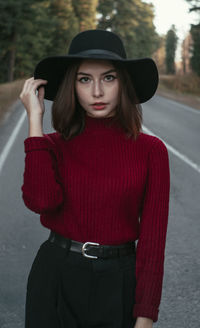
(170, 46)
(10, 15)
(195, 32)
(195, 58)
(24, 36)
(195, 5)
(187, 45)
(132, 20)
(106, 10)
(160, 55)
(64, 25)
(34, 29)
(85, 11)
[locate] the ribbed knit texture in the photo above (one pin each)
(101, 186)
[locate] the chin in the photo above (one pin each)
(100, 113)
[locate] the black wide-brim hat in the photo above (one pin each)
(98, 44)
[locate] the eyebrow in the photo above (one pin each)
(111, 70)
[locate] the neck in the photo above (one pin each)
(103, 117)
(105, 121)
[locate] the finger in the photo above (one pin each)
(26, 88)
(41, 93)
(33, 85)
(25, 84)
(41, 87)
(28, 81)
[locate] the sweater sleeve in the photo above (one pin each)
(42, 190)
(150, 250)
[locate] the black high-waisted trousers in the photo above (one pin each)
(68, 290)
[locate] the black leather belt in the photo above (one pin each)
(91, 249)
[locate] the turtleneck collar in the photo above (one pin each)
(99, 121)
(103, 125)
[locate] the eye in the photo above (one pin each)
(110, 77)
(84, 79)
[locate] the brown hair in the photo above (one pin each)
(68, 117)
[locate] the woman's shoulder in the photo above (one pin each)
(53, 137)
(152, 142)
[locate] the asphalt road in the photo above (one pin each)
(21, 233)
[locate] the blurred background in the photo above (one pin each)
(168, 31)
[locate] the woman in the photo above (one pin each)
(99, 184)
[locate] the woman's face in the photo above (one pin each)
(97, 87)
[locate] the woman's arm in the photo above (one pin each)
(152, 235)
(142, 322)
(42, 190)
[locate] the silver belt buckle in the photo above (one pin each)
(84, 249)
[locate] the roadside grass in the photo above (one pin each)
(9, 93)
(187, 83)
(182, 88)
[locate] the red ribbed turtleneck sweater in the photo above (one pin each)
(101, 186)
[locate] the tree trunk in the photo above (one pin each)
(11, 57)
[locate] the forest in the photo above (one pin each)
(35, 29)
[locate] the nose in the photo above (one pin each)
(97, 89)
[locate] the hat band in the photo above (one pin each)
(98, 52)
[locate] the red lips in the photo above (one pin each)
(99, 103)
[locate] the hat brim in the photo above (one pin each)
(143, 72)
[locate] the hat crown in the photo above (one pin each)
(97, 40)
(99, 44)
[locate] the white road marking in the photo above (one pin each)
(11, 140)
(175, 151)
(180, 105)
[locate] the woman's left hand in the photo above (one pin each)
(142, 322)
